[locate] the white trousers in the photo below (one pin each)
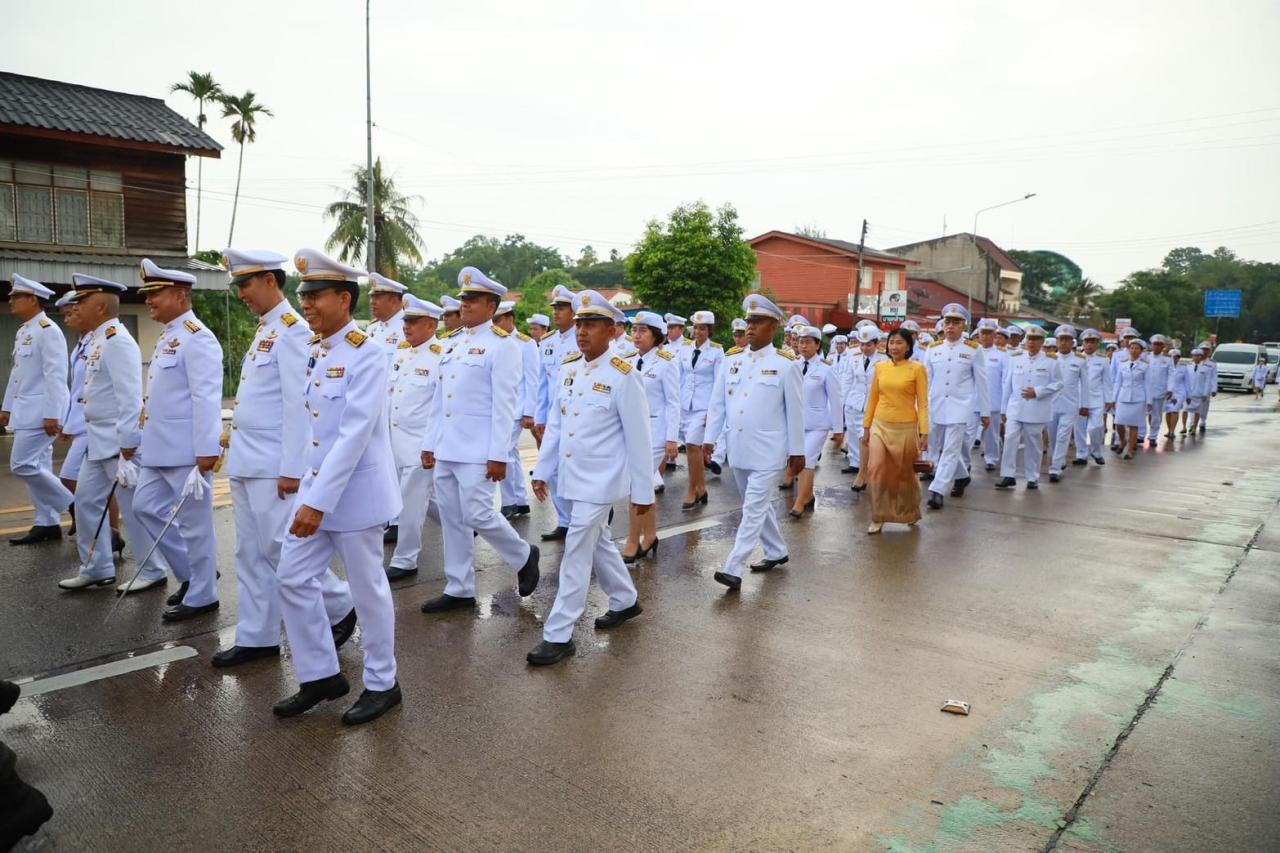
(92, 490)
(31, 460)
(972, 431)
(1090, 432)
(465, 500)
(759, 525)
(303, 562)
(1031, 437)
(952, 455)
(512, 488)
(589, 546)
(76, 454)
(991, 441)
(1067, 428)
(188, 546)
(262, 520)
(853, 435)
(417, 485)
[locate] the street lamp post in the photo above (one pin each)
(986, 291)
(371, 254)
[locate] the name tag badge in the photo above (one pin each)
(265, 345)
(768, 373)
(476, 351)
(422, 371)
(335, 373)
(601, 388)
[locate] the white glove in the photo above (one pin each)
(127, 473)
(195, 485)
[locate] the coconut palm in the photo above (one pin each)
(245, 110)
(1078, 297)
(203, 88)
(396, 226)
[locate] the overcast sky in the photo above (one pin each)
(1141, 126)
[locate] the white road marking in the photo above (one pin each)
(677, 529)
(106, 670)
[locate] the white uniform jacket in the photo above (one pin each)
(182, 411)
(1180, 382)
(1031, 371)
(1202, 379)
(415, 376)
(1072, 367)
(112, 391)
(1158, 377)
(1131, 382)
(268, 422)
(997, 365)
(555, 347)
(389, 333)
(73, 422)
(37, 389)
(758, 405)
(529, 376)
(820, 388)
(957, 381)
(1095, 388)
(659, 373)
(697, 380)
(858, 379)
(480, 372)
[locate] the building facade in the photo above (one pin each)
(971, 265)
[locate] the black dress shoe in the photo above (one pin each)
(176, 598)
(990, 467)
(1079, 462)
(546, 653)
(765, 565)
(237, 655)
(935, 500)
(39, 533)
(522, 509)
(614, 618)
(508, 512)
(958, 487)
(9, 693)
(671, 466)
(371, 705)
(529, 574)
(728, 580)
(714, 467)
(1006, 483)
(343, 630)
(395, 573)
(556, 535)
(1033, 486)
(926, 477)
(182, 612)
(391, 534)
(25, 811)
(1099, 460)
(445, 602)
(1054, 478)
(311, 694)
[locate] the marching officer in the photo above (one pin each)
(452, 318)
(698, 368)
(468, 443)
(997, 358)
(415, 376)
(598, 439)
(657, 370)
(266, 458)
(387, 307)
(1095, 396)
(739, 328)
(1131, 394)
(1159, 366)
(676, 341)
(1032, 381)
(957, 388)
(857, 382)
(556, 346)
(181, 444)
(35, 401)
(112, 394)
(348, 492)
(538, 325)
(73, 425)
(515, 497)
(823, 412)
(1068, 402)
(765, 436)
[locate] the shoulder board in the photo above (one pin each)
(971, 344)
(936, 344)
(44, 324)
(192, 326)
(1052, 354)
(733, 351)
(435, 348)
(664, 354)
(717, 345)
(631, 354)
(620, 365)
(573, 356)
(687, 342)
(111, 332)
(787, 354)
(523, 337)
(1080, 356)
(288, 318)
(405, 345)
(501, 332)
(315, 339)
(1017, 353)
(454, 332)
(355, 338)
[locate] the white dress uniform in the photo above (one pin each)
(1157, 392)
(957, 388)
(823, 408)
(269, 428)
(389, 333)
(1131, 392)
(1179, 387)
(997, 365)
(555, 347)
(1211, 388)
(415, 376)
(181, 420)
(470, 425)
(856, 386)
(598, 440)
(73, 424)
(112, 394)
(1200, 381)
(1066, 408)
(350, 477)
(512, 489)
(1025, 420)
(759, 404)
(1095, 394)
(657, 370)
(698, 367)
(37, 391)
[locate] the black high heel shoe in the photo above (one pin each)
(695, 502)
(807, 508)
(651, 551)
(629, 559)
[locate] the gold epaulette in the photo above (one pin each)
(971, 344)
(717, 345)
(787, 354)
(44, 324)
(501, 332)
(733, 351)
(664, 354)
(435, 348)
(315, 339)
(356, 339)
(936, 344)
(405, 345)
(523, 337)
(1017, 353)
(573, 356)
(454, 332)
(289, 318)
(1052, 354)
(192, 326)
(631, 354)
(620, 365)
(111, 332)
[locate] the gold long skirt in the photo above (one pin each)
(888, 470)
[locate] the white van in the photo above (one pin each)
(1235, 365)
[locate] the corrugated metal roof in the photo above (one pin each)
(55, 268)
(54, 105)
(841, 245)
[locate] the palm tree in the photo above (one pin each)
(396, 226)
(1078, 297)
(245, 110)
(203, 88)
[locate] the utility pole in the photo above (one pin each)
(857, 287)
(371, 256)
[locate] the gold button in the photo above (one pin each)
(233, 426)
(567, 455)
(315, 414)
(315, 472)
(317, 383)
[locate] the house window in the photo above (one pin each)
(891, 280)
(865, 283)
(62, 205)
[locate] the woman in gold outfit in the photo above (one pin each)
(897, 430)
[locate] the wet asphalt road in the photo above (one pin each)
(1115, 634)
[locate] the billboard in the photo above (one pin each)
(1223, 303)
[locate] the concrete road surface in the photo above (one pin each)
(1116, 635)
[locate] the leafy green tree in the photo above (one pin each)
(395, 224)
(201, 87)
(604, 274)
(813, 232)
(1046, 275)
(231, 322)
(245, 110)
(512, 260)
(588, 257)
(696, 260)
(1078, 298)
